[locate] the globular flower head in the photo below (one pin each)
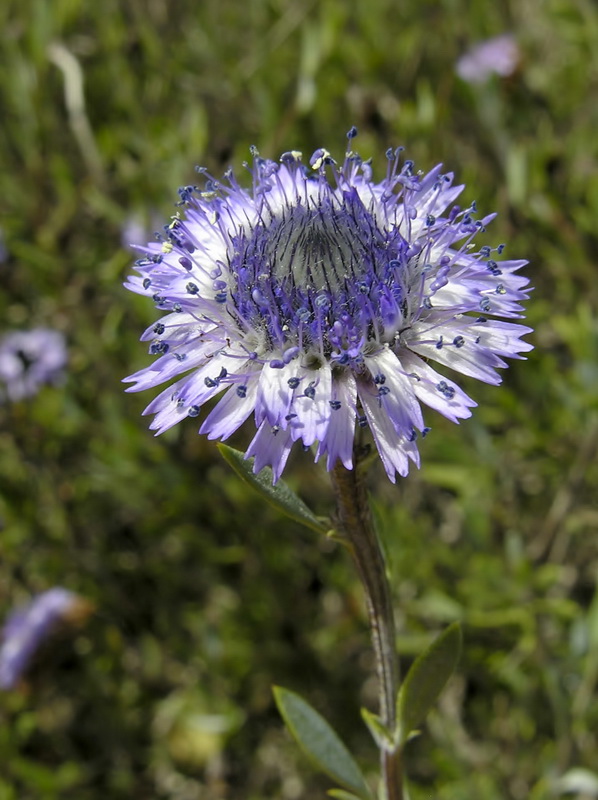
(29, 627)
(30, 359)
(314, 301)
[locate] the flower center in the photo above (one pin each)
(320, 249)
(321, 276)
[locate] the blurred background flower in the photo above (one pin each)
(30, 627)
(29, 360)
(497, 56)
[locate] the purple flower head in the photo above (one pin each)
(497, 56)
(28, 360)
(315, 301)
(29, 627)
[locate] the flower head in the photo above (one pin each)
(29, 627)
(28, 360)
(497, 56)
(315, 300)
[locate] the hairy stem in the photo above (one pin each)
(355, 521)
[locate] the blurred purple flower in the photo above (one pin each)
(497, 56)
(133, 231)
(28, 360)
(136, 231)
(27, 628)
(3, 248)
(317, 299)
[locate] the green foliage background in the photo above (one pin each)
(204, 596)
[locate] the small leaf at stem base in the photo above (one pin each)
(320, 743)
(426, 679)
(383, 737)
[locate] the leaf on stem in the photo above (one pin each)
(383, 737)
(281, 496)
(426, 679)
(321, 744)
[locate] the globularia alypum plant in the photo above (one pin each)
(316, 301)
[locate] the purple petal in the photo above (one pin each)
(340, 434)
(435, 390)
(271, 448)
(231, 412)
(312, 405)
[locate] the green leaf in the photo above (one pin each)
(382, 735)
(320, 743)
(426, 680)
(342, 795)
(280, 496)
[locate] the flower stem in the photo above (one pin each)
(355, 521)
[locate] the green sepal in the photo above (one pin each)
(281, 496)
(383, 737)
(426, 679)
(320, 743)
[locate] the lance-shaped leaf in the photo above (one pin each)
(426, 679)
(281, 496)
(320, 743)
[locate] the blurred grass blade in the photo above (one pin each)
(280, 496)
(426, 679)
(320, 743)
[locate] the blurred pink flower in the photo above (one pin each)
(497, 56)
